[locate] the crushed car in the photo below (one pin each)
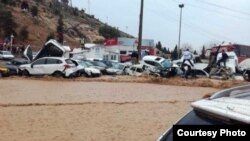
(160, 65)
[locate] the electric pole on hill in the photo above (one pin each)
(140, 31)
(70, 3)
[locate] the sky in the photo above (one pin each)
(204, 22)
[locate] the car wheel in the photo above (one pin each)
(246, 76)
(25, 73)
(57, 74)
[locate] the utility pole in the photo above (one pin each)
(89, 6)
(179, 48)
(140, 30)
(70, 2)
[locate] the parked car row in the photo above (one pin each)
(60, 67)
(53, 59)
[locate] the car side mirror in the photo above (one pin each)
(32, 65)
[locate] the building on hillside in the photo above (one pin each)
(125, 47)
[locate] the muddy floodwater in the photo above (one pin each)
(36, 110)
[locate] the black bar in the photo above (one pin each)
(211, 132)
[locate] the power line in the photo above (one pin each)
(214, 11)
(223, 7)
(191, 27)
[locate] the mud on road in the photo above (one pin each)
(55, 110)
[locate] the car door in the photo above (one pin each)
(37, 67)
(28, 53)
(52, 65)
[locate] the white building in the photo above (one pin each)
(95, 51)
(126, 46)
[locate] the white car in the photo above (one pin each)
(116, 69)
(55, 66)
(135, 70)
(6, 55)
(84, 67)
(156, 61)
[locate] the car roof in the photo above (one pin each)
(53, 58)
(231, 103)
(153, 58)
(4, 51)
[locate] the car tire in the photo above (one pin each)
(57, 74)
(246, 76)
(25, 73)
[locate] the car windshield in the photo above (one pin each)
(85, 64)
(88, 63)
(166, 64)
(100, 64)
(117, 66)
(68, 61)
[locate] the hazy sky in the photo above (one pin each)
(203, 21)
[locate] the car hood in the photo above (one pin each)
(92, 70)
(8, 55)
(51, 49)
(200, 66)
(112, 70)
(24, 66)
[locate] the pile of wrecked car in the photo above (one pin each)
(54, 59)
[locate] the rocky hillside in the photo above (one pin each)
(76, 23)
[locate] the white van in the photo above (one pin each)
(232, 61)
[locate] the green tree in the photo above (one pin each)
(24, 33)
(34, 11)
(203, 52)
(159, 46)
(165, 50)
(65, 2)
(195, 52)
(109, 32)
(168, 51)
(55, 7)
(39, 1)
(174, 54)
(7, 24)
(60, 29)
(8, 2)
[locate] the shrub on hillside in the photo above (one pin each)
(34, 11)
(50, 36)
(24, 33)
(7, 24)
(109, 32)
